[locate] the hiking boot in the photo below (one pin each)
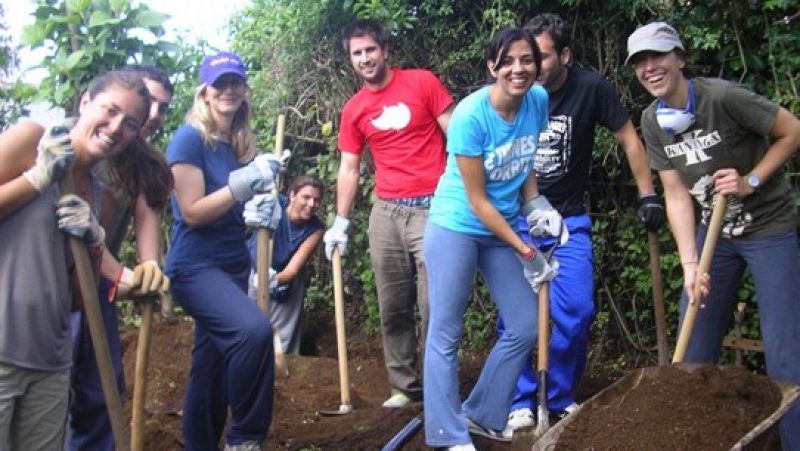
(520, 418)
(250, 445)
(397, 401)
(477, 429)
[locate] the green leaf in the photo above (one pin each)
(101, 18)
(33, 36)
(78, 6)
(73, 59)
(148, 18)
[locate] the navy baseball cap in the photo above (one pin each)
(222, 63)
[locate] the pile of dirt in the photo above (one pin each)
(706, 407)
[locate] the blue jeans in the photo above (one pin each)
(89, 425)
(232, 358)
(571, 312)
(452, 259)
(775, 265)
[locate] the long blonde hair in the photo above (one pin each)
(243, 140)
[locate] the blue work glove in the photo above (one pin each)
(543, 220)
(75, 217)
(538, 270)
(257, 177)
(651, 212)
(262, 211)
(55, 153)
(336, 236)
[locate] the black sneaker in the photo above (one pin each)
(477, 429)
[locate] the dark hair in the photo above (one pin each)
(364, 27)
(301, 181)
(553, 25)
(139, 169)
(498, 47)
(153, 73)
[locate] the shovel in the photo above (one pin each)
(341, 341)
(658, 298)
(714, 229)
(263, 258)
(140, 380)
(543, 352)
(91, 307)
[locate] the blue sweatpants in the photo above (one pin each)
(571, 312)
(452, 259)
(775, 265)
(232, 358)
(89, 425)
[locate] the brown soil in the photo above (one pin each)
(708, 408)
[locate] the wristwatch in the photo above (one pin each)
(753, 181)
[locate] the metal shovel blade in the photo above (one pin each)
(344, 409)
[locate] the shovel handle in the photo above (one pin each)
(91, 306)
(658, 298)
(709, 246)
(140, 380)
(341, 340)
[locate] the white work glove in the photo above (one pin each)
(54, 155)
(75, 217)
(538, 270)
(262, 211)
(146, 279)
(273, 279)
(257, 177)
(336, 236)
(543, 220)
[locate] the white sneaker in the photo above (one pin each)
(251, 445)
(520, 418)
(569, 409)
(397, 401)
(467, 447)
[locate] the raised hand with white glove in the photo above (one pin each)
(262, 211)
(75, 217)
(543, 220)
(54, 155)
(537, 269)
(257, 177)
(336, 236)
(146, 279)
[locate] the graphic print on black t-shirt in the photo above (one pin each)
(555, 147)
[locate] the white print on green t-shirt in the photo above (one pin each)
(693, 146)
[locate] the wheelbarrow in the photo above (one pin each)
(757, 438)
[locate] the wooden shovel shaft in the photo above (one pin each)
(543, 358)
(140, 380)
(97, 331)
(658, 298)
(341, 340)
(710, 244)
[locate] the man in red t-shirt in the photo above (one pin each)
(402, 114)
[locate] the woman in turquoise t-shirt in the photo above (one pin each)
(491, 142)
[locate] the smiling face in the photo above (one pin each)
(159, 104)
(304, 203)
(516, 72)
(225, 96)
(554, 64)
(108, 122)
(369, 60)
(661, 75)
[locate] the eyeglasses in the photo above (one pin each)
(233, 81)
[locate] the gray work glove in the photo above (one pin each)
(262, 211)
(257, 177)
(75, 217)
(54, 155)
(543, 220)
(273, 279)
(538, 270)
(336, 236)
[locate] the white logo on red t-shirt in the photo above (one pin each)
(394, 117)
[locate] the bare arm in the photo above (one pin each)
(680, 212)
(300, 258)
(146, 230)
(197, 208)
(785, 136)
(471, 169)
(17, 154)
(347, 183)
(637, 157)
(444, 118)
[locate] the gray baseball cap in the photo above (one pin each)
(655, 36)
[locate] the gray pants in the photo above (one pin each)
(33, 408)
(395, 245)
(286, 316)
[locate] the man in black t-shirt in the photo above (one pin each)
(579, 101)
